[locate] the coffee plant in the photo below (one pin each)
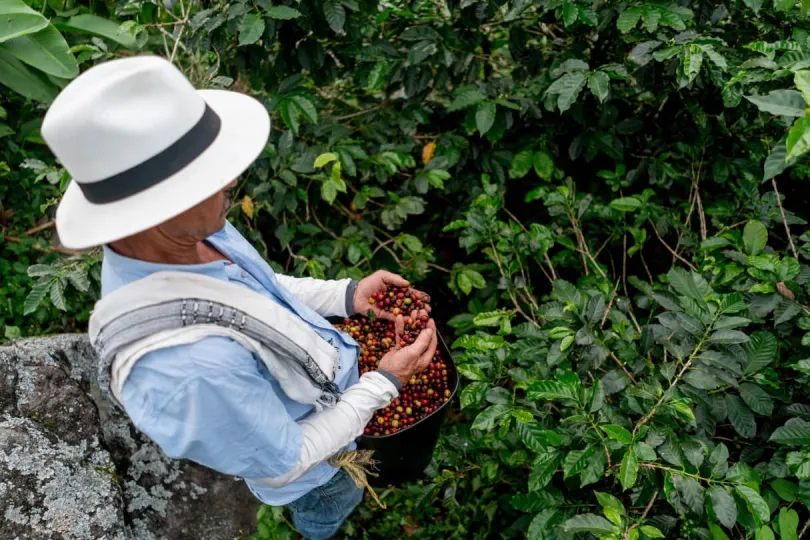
(604, 199)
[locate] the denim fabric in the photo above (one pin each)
(319, 514)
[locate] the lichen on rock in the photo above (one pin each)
(73, 468)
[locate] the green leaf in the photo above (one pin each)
(727, 323)
(599, 84)
(606, 500)
(290, 114)
(543, 164)
(421, 51)
(628, 19)
(533, 436)
(39, 270)
(488, 417)
(19, 20)
(756, 398)
(329, 191)
(756, 504)
(760, 351)
(570, 14)
(46, 51)
(21, 79)
(306, 107)
(542, 523)
(651, 532)
(798, 139)
(788, 524)
(335, 15)
(728, 337)
(780, 102)
(755, 237)
(58, 295)
(485, 116)
(567, 88)
(740, 416)
(36, 296)
(98, 26)
(534, 501)
(522, 415)
(543, 468)
(626, 204)
(376, 76)
(283, 13)
(521, 164)
(618, 433)
(765, 533)
(324, 159)
(629, 469)
(549, 390)
(755, 5)
(798, 435)
(251, 29)
(589, 523)
(466, 96)
(474, 393)
(786, 490)
(575, 461)
(723, 506)
(691, 62)
(801, 79)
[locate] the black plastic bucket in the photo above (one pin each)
(404, 456)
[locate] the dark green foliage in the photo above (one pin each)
(589, 191)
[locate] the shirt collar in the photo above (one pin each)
(132, 269)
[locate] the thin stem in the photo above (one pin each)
(675, 254)
(360, 113)
(621, 365)
(682, 473)
(553, 275)
(643, 516)
(46, 249)
(602, 439)
(508, 289)
(677, 379)
(701, 214)
(784, 219)
(610, 304)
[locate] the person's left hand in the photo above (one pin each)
(378, 282)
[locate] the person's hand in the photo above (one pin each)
(378, 282)
(405, 362)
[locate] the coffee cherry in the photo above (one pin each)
(425, 392)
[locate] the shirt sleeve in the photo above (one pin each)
(328, 298)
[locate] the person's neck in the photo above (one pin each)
(157, 248)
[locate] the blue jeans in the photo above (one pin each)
(319, 514)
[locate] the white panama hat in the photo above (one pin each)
(142, 145)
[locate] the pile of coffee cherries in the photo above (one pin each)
(425, 392)
(397, 300)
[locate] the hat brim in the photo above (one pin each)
(243, 135)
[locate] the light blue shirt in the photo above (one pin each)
(213, 402)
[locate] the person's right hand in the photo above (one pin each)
(405, 362)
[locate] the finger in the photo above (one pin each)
(422, 342)
(393, 279)
(399, 328)
(423, 296)
(427, 356)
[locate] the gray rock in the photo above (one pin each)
(73, 468)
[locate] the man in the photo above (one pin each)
(153, 161)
